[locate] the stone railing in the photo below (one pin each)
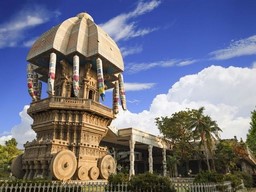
(70, 104)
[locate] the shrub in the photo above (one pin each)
(148, 182)
(238, 176)
(208, 177)
(247, 179)
(118, 178)
(235, 180)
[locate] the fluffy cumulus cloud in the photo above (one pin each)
(123, 27)
(12, 32)
(4, 138)
(238, 48)
(226, 94)
(23, 132)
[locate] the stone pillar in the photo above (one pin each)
(44, 169)
(36, 168)
(87, 69)
(54, 133)
(68, 125)
(132, 158)
(51, 74)
(150, 158)
(62, 132)
(76, 86)
(100, 76)
(164, 162)
(31, 171)
(75, 134)
(26, 170)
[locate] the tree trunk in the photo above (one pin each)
(207, 157)
(213, 164)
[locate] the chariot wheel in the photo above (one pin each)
(107, 166)
(16, 167)
(82, 173)
(94, 173)
(63, 165)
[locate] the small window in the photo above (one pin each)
(90, 94)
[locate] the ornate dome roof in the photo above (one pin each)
(77, 36)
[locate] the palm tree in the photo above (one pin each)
(172, 162)
(205, 129)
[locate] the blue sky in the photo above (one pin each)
(178, 54)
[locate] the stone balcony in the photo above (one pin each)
(76, 104)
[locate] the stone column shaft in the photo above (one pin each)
(76, 86)
(132, 158)
(51, 74)
(164, 162)
(150, 158)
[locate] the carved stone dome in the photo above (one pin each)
(80, 36)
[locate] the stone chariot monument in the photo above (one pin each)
(77, 61)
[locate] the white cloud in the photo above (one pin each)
(29, 42)
(134, 101)
(23, 132)
(236, 49)
(5, 138)
(138, 67)
(254, 64)
(138, 86)
(131, 50)
(12, 32)
(121, 26)
(226, 93)
(186, 62)
(144, 8)
(22, 23)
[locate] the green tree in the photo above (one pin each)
(7, 153)
(228, 154)
(226, 158)
(185, 129)
(175, 128)
(172, 162)
(206, 130)
(251, 136)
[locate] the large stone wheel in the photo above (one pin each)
(16, 167)
(63, 165)
(94, 173)
(82, 173)
(107, 166)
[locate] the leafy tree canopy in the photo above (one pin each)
(251, 136)
(8, 152)
(226, 157)
(190, 124)
(176, 129)
(184, 128)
